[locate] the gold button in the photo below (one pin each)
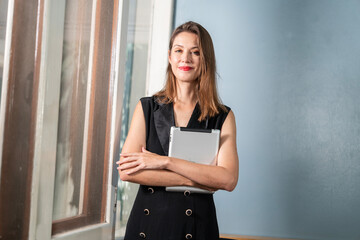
(146, 211)
(188, 212)
(151, 190)
(187, 193)
(142, 235)
(188, 236)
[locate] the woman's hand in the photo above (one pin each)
(133, 162)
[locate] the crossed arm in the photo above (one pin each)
(143, 167)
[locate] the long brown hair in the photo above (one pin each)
(208, 97)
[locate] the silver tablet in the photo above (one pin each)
(195, 145)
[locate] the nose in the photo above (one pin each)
(186, 57)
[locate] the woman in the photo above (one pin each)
(189, 99)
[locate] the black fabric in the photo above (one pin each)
(165, 217)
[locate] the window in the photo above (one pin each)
(150, 24)
(139, 26)
(64, 99)
(70, 162)
(84, 119)
(61, 114)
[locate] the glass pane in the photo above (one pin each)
(74, 79)
(3, 16)
(135, 82)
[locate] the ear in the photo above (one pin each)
(169, 55)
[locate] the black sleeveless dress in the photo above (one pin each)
(161, 215)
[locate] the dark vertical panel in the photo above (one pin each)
(99, 119)
(113, 37)
(20, 120)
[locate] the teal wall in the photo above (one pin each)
(290, 70)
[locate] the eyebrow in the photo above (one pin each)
(178, 45)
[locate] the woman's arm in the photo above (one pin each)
(134, 142)
(223, 176)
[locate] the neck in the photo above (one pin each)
(186, 93)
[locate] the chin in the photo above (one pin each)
(186, 79)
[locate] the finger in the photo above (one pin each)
(129, 159)
(134, 170)
(128, 165)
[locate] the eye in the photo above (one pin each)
(178, 50)
(196, 53)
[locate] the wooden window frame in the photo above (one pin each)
(19, 116)
(28, 123)
(99, 123)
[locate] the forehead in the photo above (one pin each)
(186, 39)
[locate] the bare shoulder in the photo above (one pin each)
(138, 110)
(138, 119)
(228, 139)
(136, 137)
(228, 133)
(229, 125)
(227, 155)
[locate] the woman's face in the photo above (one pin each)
(184, 57)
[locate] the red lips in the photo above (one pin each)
(185, 68)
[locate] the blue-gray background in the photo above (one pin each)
(290, 70)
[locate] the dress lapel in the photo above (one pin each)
(164, 119)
